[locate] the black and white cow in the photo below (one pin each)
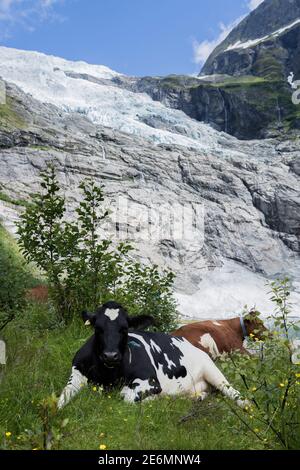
(143, 363)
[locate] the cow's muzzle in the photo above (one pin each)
(111, 359)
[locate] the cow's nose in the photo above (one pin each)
(111, 356)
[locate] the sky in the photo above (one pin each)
(134, 37)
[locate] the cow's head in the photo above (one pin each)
(111, 323)
(255, 326)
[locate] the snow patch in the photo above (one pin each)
(254, 42)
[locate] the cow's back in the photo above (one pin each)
(212, 337)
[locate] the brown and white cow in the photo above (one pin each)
(223, 336)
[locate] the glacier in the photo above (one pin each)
(46, 79)
(202, 164)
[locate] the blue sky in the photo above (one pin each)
(135, 37)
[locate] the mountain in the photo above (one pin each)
(90, 121)
(265, 44)
(244, 88)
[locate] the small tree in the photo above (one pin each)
(83, 270)
(42, 233)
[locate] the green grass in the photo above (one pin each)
(15, 276)
(9, 245)
(17, 202)
(244, 81)
(39, 356)
(9, 118)
(43, 148)
(39, 360)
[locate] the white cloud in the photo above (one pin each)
(203, 49)
(25, 14)
(254, 4)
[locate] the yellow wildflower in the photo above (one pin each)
(253, 389)
(102, 434)
(102, 447)
(8, 434)
(297, 376)
(95, 389)
(281, 385)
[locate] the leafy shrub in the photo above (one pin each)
(270, 379)
(146, 290)
(14, 280)
(83, 269)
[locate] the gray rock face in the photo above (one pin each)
(228, 104)
(250, 191)
(278, 53)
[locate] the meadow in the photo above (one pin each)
(42, 337)
(39, 357)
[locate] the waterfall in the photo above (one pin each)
(206, 120)
(279, 112)
(225, 112)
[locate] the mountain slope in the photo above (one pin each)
(266, 43)
(249, 191)
(245, 86)
(86, 89)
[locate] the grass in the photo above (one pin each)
(38, 365)
(39, 356)
(9, 118)
(43, 148)
(16, 202)
(243, 81)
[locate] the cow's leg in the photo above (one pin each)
(140, 390)
(215, 378)
(76, 381)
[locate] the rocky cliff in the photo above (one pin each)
(246, 107)
(249, 191)
(265, 44)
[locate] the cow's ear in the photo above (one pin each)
(88, 318)
(141, 321)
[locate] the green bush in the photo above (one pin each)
(270, 379)
(83, 269)
(13, 279)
